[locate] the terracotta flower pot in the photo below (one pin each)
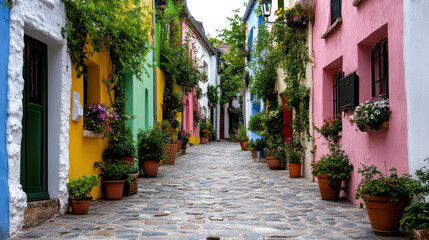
(385, 215)
(127, 160)
(203, 140)
(326, 191)
(150, 168)
(294, 170)
(80, 207)
(273, 163)
(253, 153)
(244, 145)
(113, 189)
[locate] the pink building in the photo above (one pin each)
(365, 37)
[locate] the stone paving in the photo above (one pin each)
(215, 191)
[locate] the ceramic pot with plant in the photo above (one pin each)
(260, 145)
(251, 147)
(372, 115)
(242, 138)
(415, 220)
(80, 190)
(385, 197)
(331, 170)
(151, 151)
(121, 147)
(113, 175)
(294, 158)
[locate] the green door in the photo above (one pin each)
(33, 149)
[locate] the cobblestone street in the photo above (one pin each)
(215, 190)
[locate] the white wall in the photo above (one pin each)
(416, 64)
(40, 19)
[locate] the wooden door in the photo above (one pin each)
(34, 122)
(222, 123)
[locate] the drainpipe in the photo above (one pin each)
(155, 75)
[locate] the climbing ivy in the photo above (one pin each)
(233, 65)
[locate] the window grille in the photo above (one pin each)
(336, 91)
(335, 10)
(380, 70)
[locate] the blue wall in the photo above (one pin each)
(4, 56)
(252, 31)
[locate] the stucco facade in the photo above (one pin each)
(416, 65)
(85, 150)
(4, 59)
(348, 48)
(42, 20)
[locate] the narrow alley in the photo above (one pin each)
(215, 190)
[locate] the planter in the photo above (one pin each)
(179, 146)
(132, 187)
(244, 145)
(260, 154)
(326, 191)
(253, 153)
(383, 127)
(127, 160)
(150, 168)
(385, 215)
(171, 152)
(419, 234)
(273, 163)
(294, 170)
(203, 140)
(80, 207)
(91, 134)
(113, 189)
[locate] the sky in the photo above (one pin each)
(213, 13)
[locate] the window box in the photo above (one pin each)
(91, 134)
(383, 127)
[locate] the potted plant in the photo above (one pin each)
(372, 115)
(185, 136)
(242, 138)
(97, 120)
(131, 184)
(260, 145)
(294, 159)
(251, 147)
(113, 175)
(276, 154)
(80, 190)
(385, 197)
(151, 151)
(331, 170)
(415, 220)
(331, 128)
(121, 147)
(206, 130)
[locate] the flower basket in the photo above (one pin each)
(383, 127)
(171, 151)
(385, 215)
(132, 187)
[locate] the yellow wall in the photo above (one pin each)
(84, 152)
(160, 93)
(194, 140)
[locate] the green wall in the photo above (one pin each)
(140, 98)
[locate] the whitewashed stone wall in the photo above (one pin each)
(40, 19)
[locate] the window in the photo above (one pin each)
(380, 70)
(335, 10)
(336, 91)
